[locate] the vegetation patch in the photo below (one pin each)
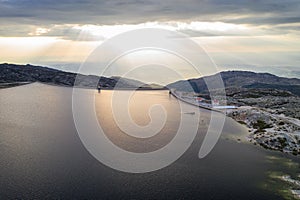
(261, 125)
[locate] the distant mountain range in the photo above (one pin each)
(242, 79)
(12, 73)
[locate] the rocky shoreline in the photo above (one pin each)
(271, 115)
(270, 130)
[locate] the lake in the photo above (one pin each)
(42, 156)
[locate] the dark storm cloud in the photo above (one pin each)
(135, 11)
(66, 11)
(49, 12)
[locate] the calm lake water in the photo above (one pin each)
(42, 156)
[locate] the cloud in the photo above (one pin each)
(139, 11)
(90, 32)
(275, 20)
(71, 19)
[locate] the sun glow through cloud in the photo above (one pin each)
(226, 43)
(67, 42)
(108, 31)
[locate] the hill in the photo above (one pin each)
(13, 74)
(242, 79)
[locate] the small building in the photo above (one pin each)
(199, 99)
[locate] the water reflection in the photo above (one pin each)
(43, 157)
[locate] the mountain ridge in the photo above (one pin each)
(12, 73)
(241, 79)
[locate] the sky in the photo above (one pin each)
(257, 35)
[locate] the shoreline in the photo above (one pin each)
(13, 84)
(16, 84)
(271, 131)
(192, 103)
